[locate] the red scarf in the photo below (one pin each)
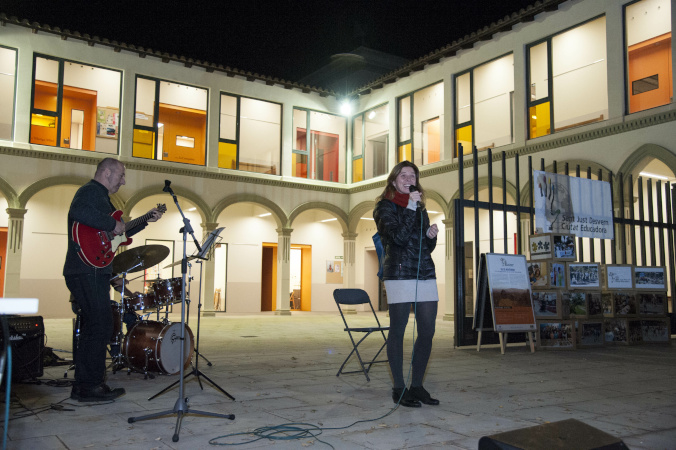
(400, 199)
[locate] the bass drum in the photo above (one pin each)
(151, 346)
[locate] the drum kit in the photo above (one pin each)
(149, 346)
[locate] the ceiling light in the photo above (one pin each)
(346, 107)
(367, 218)
(264, 215)
(328, 220)
(192, 209)
(371, 115)
(653, 175)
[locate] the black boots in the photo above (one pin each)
(406, 399)
(100, 393)
(420, 394)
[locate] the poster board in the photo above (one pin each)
(334, 271)
(503, 282)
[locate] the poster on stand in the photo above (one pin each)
(510, 292)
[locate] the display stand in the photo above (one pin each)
(503, 283)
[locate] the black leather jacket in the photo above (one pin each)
(400, 232)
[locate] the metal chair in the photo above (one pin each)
(359, 297)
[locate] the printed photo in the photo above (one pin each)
(540, 246)
(591, 333)
(649, 278)
(624, 304)
(615, 330)
(583, 275)
(564, 246)
(556, 335)
(618, 276)
(538, 273)
(594, 304)
(652, 303)
(577, 304)
(557, 275)
(655, 330)
(545, 304)
(634, 333)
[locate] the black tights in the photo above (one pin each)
(426, 315)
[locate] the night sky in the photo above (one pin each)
(278, 38)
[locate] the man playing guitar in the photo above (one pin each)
(90, 285)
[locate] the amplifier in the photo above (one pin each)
(27, 337)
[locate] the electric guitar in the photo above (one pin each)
(97, 247)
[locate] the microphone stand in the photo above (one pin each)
(181, 406)
(202, 255)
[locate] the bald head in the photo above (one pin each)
(110, 173)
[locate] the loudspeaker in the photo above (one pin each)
(565, 434)
(27, 338)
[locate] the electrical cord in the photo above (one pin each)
(292, 431)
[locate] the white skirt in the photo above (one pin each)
(402, 291)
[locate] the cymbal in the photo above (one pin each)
(179, 262)
(147, 255)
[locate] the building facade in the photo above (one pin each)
(292, 178)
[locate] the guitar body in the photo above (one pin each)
(97, 248)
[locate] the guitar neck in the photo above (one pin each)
(138, 221)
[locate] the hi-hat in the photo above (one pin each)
(147, 255)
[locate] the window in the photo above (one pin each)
(484, 105)
(423, 112)
(250, 135)
(75, 105)
(170, 121)
(649, 73)
(567, 79)
(319, 146)
(7, 89)
(370, 141)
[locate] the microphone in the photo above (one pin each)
(167, 183)
(413, 188)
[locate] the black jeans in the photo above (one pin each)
(426, 315)
(91, 292)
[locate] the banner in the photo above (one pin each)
(573, 205)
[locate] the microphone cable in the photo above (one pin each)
(300, 430)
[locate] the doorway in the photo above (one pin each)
(300, 261)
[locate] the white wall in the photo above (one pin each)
(647, 19)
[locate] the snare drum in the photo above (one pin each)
(141, 302)
(156, 347)
(168, 292)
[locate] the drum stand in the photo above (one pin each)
(195, 371)
(181, 405)
(118, 361)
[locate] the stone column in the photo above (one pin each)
(349, 250)
(14, 249)
(449, 273)
(208, 274)
(283, 271)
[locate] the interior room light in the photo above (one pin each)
(367, 218)
(191, 209)
(534, 117)
(653, 175)
(328, 220)
(264, 214)
(371, 115)
(160, 124)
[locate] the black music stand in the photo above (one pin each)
(201, 255)
(181, 405)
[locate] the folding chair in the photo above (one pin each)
(359, 297)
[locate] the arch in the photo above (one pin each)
(146, 192)
(357, 212)
(468, 188)
(277, 213)
(339, 213)
(65, 180)
(637, 161)
(9, 193)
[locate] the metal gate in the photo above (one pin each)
(652, 230)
